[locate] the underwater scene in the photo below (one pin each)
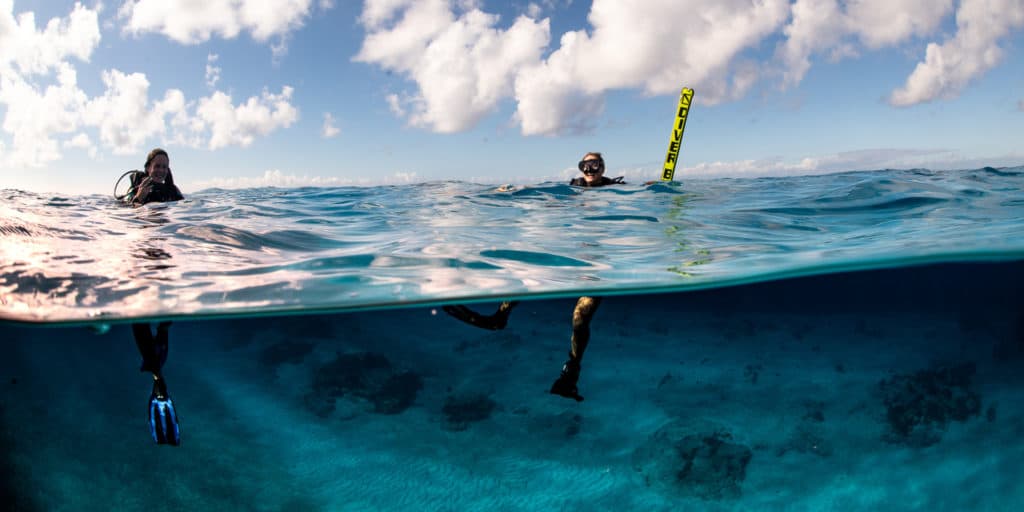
(851, 341)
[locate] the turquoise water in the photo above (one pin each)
(841, 342)
(80, 259)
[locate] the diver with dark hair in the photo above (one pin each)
(163, 419)
(592, 167)
(154, 184)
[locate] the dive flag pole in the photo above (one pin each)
(685, 97)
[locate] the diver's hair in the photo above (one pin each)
(152, 155)
(594, 153)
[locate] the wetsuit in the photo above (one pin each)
(581, 182)
(149, 191)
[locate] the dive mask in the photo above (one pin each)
(592, 166)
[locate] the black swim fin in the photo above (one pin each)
(566, 383)
(163, 419)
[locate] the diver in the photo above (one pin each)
(163, 419)
(155, 184)
(592, 167)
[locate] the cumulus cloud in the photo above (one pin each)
(973, 50)
(27, 51)
(329, 130)
(42, 120)
(212, 72)
(861, 160)
(230, 125)
(825, 26)
(462, 64)
(191, 22)
(36, 117)
(277, 178)
(123, 114)
(656, 47)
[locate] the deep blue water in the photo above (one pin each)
(842, 342)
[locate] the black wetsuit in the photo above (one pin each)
(582, 182)
(149, 191)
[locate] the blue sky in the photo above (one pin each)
(315, 92)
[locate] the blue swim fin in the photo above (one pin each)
(163, 419)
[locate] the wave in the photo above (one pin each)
(265, 251)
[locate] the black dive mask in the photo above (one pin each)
(593, 166)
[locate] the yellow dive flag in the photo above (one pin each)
(685, 98)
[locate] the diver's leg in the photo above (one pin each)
(146, 344)
(163, 418)
(162, 333)
(581, 317)
(152, 349)
(494, 322)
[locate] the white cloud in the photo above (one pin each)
(193, 22)
(276, 178)
(27, 51)
(35, 117)
(212, 72)
(395, 105)
(461, 62)
(329, 130)
(42, 120)
(462, 65)
(123, 114)
(82, 141)
(862, 160)
(230, 125)
(823, 26)
(655, 46)
(972, 51)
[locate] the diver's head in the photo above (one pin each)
(592, 167)
(158, 165)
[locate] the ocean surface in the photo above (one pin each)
(852, 341)
(257, 251)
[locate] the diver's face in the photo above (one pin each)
(159, 168)
(592, 168)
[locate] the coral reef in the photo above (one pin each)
(919, 406)
(367, 376)
(285, 352)
(460, 411)
(695, 460)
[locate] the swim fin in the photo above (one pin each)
(566, 383)
(163, 419)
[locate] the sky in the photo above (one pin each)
(251, 93)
